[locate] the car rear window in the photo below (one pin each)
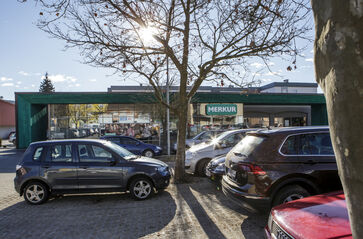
(248, 144)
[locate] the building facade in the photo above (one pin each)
(134, 110)
(7, 118)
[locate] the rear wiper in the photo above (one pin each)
(239, 154)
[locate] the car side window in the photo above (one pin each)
(290, 146)
(315, 144)
(206, 136)
(93, 154)
(60, 153)
(38, 153)
(100, 152)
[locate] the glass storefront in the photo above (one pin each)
(148, 121)
(141, 121)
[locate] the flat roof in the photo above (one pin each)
(148, 97)
(289, 84)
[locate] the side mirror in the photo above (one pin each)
(223, 146)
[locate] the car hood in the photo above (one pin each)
(149, 161)
(321, 216)
(197, 148)
(218, 160)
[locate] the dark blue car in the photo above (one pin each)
(135, 146)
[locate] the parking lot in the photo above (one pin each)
(194, 210)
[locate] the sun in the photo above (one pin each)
(146, 34)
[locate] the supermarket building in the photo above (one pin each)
(41, 116)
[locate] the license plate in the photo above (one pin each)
(231, 173)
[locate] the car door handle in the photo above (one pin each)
(45, 166)
(84, 167)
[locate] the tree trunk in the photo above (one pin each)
(180, 154)
(339, 71)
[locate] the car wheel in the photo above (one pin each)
(36, 193)
(148, 153)
(290, 193)
(141, 188)
(202, 167)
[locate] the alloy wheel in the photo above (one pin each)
(35, 193)
(149, 154)
(142, 189)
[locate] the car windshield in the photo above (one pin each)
(247, 145)
(121, 151)
(221, 136)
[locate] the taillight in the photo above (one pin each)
(252, 168)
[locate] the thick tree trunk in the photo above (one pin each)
(180, 154)
(339, 71)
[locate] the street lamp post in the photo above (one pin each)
(167, 101)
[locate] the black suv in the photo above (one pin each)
(77, 166)
(271, 167)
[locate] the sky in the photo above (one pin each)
(27, 53)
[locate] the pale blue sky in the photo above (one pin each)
(26, 53)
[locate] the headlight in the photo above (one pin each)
(220, 167)
(163, 170)
(158, 148)
(269, 222)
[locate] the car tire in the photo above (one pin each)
(201, 167)
(289, 193)
(148, 153)
(141, 188)
(36, 193)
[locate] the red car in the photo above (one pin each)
(321, 216)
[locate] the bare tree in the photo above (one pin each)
(339, 71)
(205, 40)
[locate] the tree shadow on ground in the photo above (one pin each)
(88, 216)
(209, 227)
(253, 224)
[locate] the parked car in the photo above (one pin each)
(216, 168)
(135, 146)
(12, 137)
(199, 155)
(316, 217)
(79, 166)
(271, 167)
(200, 138)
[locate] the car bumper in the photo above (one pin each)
(214, 176)
(267, 233)
(158, 153)
(252, 203)
(16, 185)
(162, 182)
(189, 166)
